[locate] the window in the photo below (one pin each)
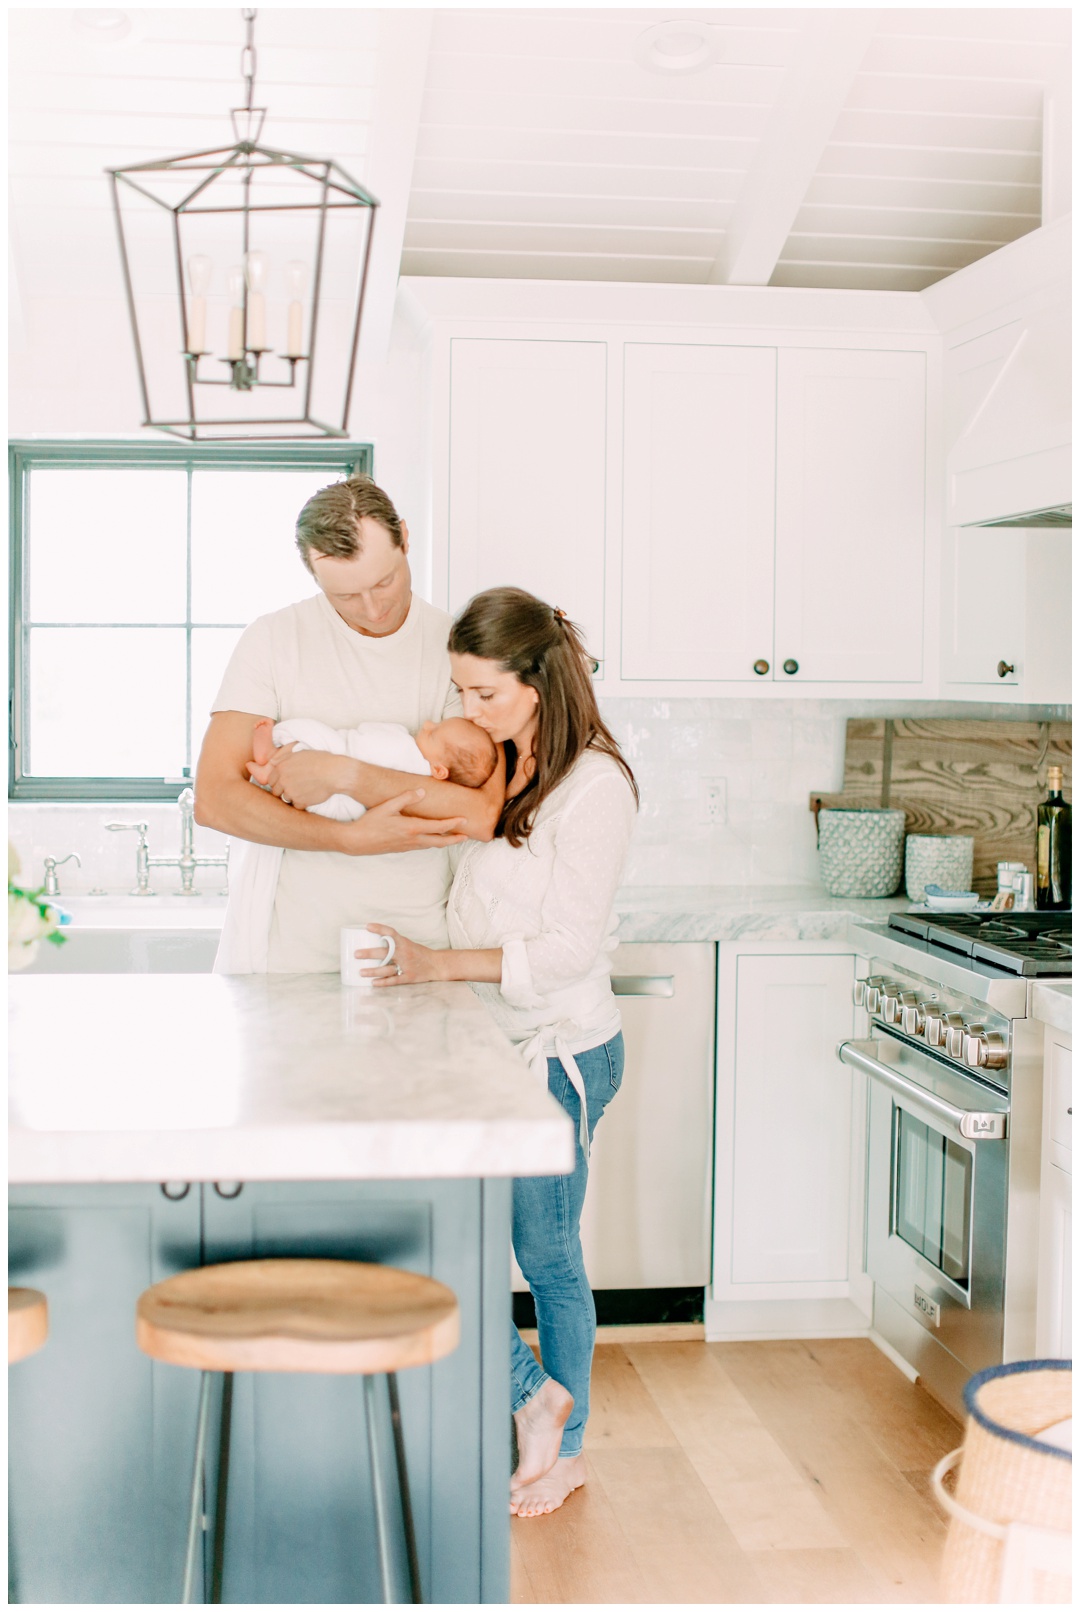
(135, 567)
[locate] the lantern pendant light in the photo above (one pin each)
(245, 269)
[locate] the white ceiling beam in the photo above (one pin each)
(401, 73)
(812, 95)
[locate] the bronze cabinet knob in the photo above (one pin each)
(1004, 669)
(791, 667)
(761, 667)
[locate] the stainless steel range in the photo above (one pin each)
(954, 1097)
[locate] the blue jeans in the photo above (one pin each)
(547, 1243)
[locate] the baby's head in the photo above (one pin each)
(458, 751)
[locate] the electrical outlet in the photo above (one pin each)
(714, 800)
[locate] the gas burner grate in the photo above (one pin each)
(1026, 943)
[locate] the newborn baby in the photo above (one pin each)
(455, 749)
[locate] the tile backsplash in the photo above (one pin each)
(763, 759)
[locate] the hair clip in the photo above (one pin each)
(560, 614)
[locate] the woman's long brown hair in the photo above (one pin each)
(545, 651)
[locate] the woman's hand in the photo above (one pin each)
(306, 777)
(411, 964)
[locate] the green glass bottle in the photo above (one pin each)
(1053, 851)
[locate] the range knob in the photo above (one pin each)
(985, 1049)
(876, 986)
(955, 1031)
(893, 1006)
(858, 993)
(938, 1023)
(913, 1016)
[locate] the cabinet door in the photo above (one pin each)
(983, 606)
(101, 1437)
(790, 1142)
(528, 487)
(1053, 1339)
(698, 511)
(850, 516)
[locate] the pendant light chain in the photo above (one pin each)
(248, 58)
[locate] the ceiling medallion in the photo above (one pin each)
(678, 46)
(251, 260)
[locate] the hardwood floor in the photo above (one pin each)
(756, 1472)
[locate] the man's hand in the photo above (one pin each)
(383, 828)
(306, 777)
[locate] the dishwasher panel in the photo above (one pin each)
(648, 1209)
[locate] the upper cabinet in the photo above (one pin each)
(528, 474)
(698, 502)
(748, 487)
(850, 516)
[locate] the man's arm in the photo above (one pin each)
(226, 799)
(307, 777)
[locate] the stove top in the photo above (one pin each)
(1028, 943)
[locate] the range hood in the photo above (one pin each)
(1034, 520)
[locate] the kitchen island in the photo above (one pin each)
(159, 1122)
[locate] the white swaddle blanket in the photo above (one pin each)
(254, 869)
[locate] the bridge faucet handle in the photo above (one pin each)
(142, 829)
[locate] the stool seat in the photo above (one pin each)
(28, 1322)
(306, 1315)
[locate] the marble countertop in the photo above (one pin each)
(1051, 1002)
(198, 1077)
(645, 912)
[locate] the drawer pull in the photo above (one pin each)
(643, 984)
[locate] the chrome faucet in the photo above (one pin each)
(187, 861)
(52, 883)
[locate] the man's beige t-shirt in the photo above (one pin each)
(305, 662)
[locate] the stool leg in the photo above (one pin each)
(217, 1575)
(195, 1512)
(403, 1487)
(381, 1529)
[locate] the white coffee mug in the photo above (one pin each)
(354, 939)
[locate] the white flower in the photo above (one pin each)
(30, 919)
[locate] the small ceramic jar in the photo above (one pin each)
(861, 851)
(943, 859)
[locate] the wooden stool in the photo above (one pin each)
(308, 1315)
(27, 1322)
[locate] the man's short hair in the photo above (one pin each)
(329, 522)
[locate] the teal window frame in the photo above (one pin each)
(26, 456)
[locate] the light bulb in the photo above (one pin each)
(199, 270)
(295, 283)
(236, 312)
(255, 269)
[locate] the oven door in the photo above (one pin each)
(937, 1174)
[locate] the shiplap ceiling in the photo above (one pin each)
(875, 149)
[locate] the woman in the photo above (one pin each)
(531, 926)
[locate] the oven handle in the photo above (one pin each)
(975, 1125)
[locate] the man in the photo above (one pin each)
(364, 648)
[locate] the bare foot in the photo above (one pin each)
(549, 1492)
(262, 740)
(539, 1426)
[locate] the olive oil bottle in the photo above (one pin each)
(1053, 850)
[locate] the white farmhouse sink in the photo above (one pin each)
(135, 935)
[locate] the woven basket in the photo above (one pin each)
(1012, 1507)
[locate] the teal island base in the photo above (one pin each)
(102, 1438)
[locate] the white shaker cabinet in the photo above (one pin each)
(1006, 613)
(850, 516)
(787, 1131)
(699, 443)
(1053, 1327)
(528, 473)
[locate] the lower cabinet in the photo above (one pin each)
(789, 1144)
(1053, 1326)
(102, 1439)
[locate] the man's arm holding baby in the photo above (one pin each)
(308, 777)
(226, 799)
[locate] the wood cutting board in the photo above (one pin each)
(957, 777)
